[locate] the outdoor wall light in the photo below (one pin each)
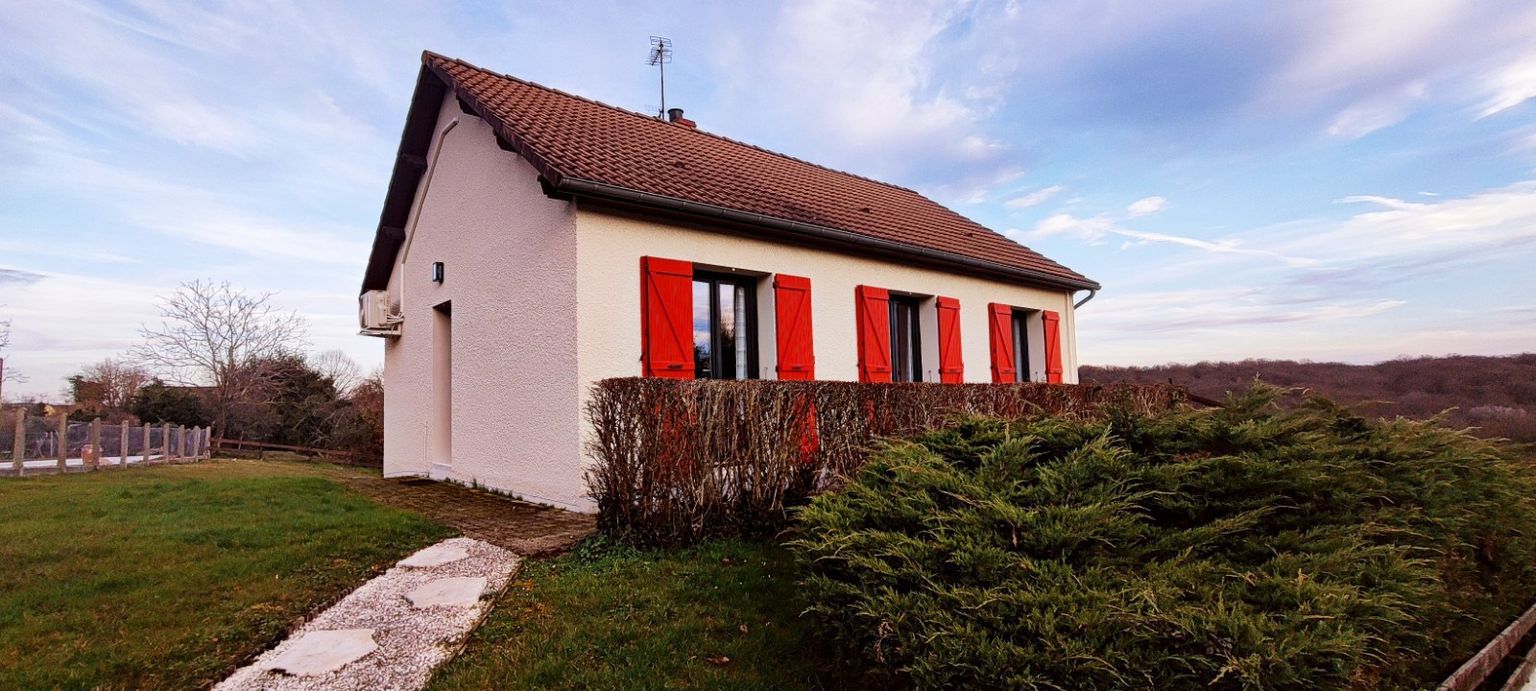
(437, 272)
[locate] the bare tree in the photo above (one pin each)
(113, 381)
(342, 370)
(209, 331)
(7, 373)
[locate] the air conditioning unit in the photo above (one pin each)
(378, 314)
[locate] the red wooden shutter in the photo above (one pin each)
(1052, 322)
(1000, 330)
(792, 310)
(872, 308)
(951, 365)
(666, 318)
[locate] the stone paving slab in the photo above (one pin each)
(458, 591)
(321, 652)
(436, 555)
(411, 641)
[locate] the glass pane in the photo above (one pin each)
(1020, 347)
(740, 319)
(902, 346)
(727, 330)
(701, 330)
(914, 346)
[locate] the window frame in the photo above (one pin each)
(748, 284)
(913, 338)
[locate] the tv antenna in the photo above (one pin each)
(661, 54)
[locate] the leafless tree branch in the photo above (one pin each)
(112, 381)
(208, 331)
(342, 370)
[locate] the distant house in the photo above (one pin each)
(533, 242)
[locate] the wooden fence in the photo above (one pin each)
(338, 455)
(1501, 656)
(31, 444)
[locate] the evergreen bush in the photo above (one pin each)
(1252, 546)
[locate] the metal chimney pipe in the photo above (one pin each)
(674, 114)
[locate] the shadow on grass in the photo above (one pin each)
(723, 614)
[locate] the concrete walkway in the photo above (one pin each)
(392, 632)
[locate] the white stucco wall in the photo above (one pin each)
(510, 263)
(609, 248)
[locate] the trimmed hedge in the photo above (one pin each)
(1255, 546)
(677, 461)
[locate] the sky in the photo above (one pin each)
(1310, 180)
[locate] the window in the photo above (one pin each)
(1021, 345)
(906, 342)
(724, 326)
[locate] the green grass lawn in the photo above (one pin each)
(721, 615)
(172, 577)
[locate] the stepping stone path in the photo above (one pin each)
(391, 632)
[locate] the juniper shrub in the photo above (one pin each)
(1252, 546)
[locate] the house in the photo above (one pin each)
(533, 242)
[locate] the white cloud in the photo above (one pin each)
(1443, 227)
(872, 88)
(60, 322)
(1093, 231)
(1195, 310)
(1146, 206)
(878, 94)
(1334, 305)
(1377, 112)
(1034, 198)
(1510, 86)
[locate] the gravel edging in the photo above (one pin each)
(411, 642)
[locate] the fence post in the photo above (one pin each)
(122, 446)
(63, 441)
(95, 445)
(165, 439)
(146, 443)
(19, 445)
(181, 441)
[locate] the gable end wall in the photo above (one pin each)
(510, 261)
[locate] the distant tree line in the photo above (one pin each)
(1496, 395)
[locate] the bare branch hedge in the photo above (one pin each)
(680, 460)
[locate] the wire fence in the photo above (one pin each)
(38, 444)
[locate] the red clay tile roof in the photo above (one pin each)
(567, 136)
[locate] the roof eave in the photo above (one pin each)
(410, 164)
